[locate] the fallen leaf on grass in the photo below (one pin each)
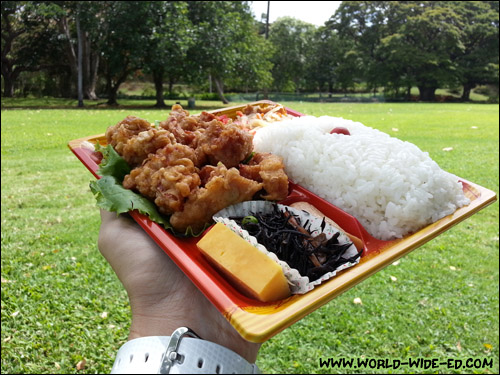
(357, 301)
(394, 278)
(473, 127)
(488, 346)
(395, 129)
(447, 148)
(395, 263)
(14, 314)
(453, 268)
(81, 365)
(459, 347)
(57, 366)
(104, 315)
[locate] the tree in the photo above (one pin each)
(252, 67)
(319, 59)
(291, 39)
(126, 34)
(402, 43)
(360, 26)
(222, 31)
(89, 15)
(432, 36)
(28, 40)
(168, 45)
(478, 62)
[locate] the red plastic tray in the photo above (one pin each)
(257, 321)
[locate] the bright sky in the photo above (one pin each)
(315, 12)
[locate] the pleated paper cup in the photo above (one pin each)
(298, 284)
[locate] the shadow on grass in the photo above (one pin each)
(103, 106)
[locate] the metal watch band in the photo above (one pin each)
(179, 354)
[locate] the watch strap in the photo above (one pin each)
(179, 354)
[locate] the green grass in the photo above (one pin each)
(56, 285)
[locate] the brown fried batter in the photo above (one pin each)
(225, 143)
(224, 188)
(251, 109)
(134, 139)
(166, 177)
(185, 128)
(268, 169)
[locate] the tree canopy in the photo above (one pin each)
(389, 45)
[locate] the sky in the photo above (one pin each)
(315, 12)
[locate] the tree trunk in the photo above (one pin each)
(113, 87)
(158, 81)
(92, 82)
(467, 90)
(8, 71)
(8, 85)
(170, 86)
(91, 65)
(80, 58)
(112, 94)
(70, 51)
(408, 92)
(427, 94)
(220, 90)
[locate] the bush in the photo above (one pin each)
(207, 96)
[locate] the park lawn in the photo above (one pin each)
(61, 302)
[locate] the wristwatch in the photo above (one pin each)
(182, 353)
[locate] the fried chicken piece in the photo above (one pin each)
(134, 139)
(119, 134)
(166, 177)
(224, 188)
(251, 109)
(148, 142)
(185, 128)
(175, 184)
(225, 143)
(270, 170)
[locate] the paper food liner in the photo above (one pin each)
(298, 284)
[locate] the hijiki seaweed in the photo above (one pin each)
(283, 234)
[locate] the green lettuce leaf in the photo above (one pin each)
(112, 164)
(112, 196)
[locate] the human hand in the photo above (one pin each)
(162, 298)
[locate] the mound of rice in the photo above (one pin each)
(391, 186)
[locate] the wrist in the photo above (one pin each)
(184, 352)
(210, 327)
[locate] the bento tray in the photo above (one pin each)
(257, 321)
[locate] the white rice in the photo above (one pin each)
(391, 186)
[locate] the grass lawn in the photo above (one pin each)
(62, 304)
